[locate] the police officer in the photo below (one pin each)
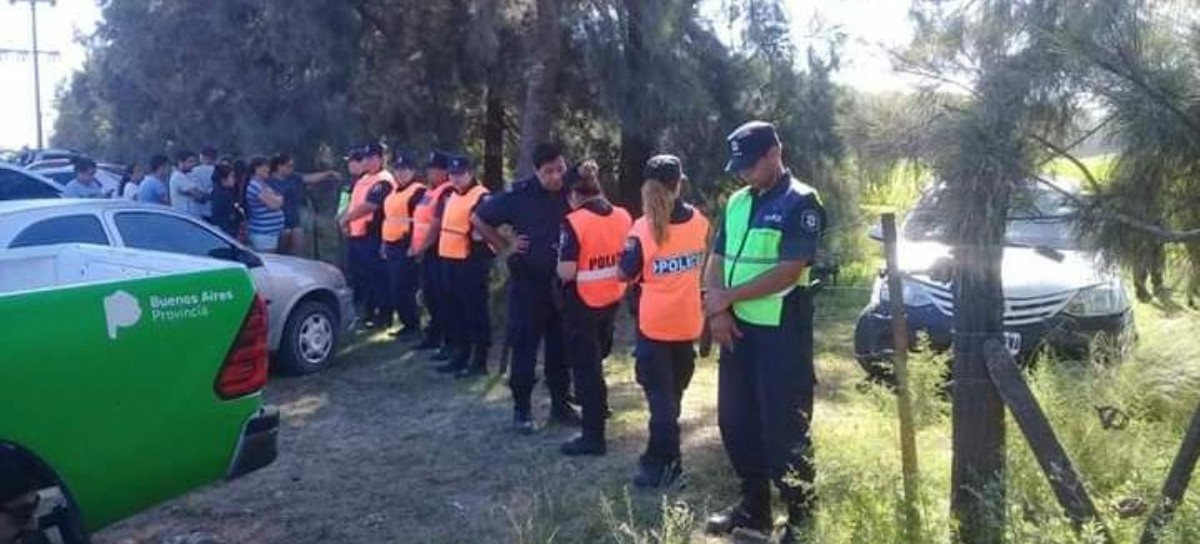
(354, 166)
(402, 271)
(424, 248)
(535, 209)
(760, 310)
(361, 223)
(468, 260)
(664, 254)
(591, 240)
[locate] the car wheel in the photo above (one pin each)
(61, 517)
(309, 339)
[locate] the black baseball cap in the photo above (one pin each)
(354, 154)
(404, 161)
(663, 168)
(749, 143)
(458, 164)
(438, 159)
(373, 150)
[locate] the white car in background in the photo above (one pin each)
(110, 183)
(17, 183)
(309, 304)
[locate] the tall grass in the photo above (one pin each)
(859, 479)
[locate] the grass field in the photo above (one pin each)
(381, 449)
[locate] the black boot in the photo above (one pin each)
(445, 353)
(478, 366)
(657, 475)
(800, 501)
(430, 341)
(798, 526)
(584, 445)
(459, 359)
(563, 414)
(753, 512)
(523, 422)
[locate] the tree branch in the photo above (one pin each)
(1062, 152)
(1162, 234)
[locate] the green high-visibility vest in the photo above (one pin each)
(750, 253)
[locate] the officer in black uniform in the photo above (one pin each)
(535, 208)
(760, 310)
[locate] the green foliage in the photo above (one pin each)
(1143, 64)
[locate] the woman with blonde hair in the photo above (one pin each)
(664, 254)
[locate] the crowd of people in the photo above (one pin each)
(256, 200)
(572, 258)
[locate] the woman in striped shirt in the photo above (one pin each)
(264, 207)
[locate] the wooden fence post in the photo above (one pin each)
(908, 440)
(1063, 478)
(1176, 484)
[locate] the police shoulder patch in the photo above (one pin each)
(810, 221)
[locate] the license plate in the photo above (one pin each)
(1012, 341)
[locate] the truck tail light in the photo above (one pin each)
(245, 368)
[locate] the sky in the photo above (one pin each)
(870, 27)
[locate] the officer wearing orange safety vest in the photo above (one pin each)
(664, 254)
(467, 263)
(590, 244)
(424, 249)
(397, 232)
(361, 223)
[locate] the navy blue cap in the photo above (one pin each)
(458, 164)
(373, 150)
(749, 143)
(404, 161)
(663, 168)
(438, 159)
(354, 154)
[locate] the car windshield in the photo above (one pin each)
(1036, 218)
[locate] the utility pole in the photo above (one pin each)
(37, 68)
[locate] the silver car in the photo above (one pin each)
(309, 303)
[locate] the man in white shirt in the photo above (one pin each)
(185, 195)
(202, 179)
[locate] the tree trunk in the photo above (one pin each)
(978, 489)
(635, 151)
(543, 75)
(493, 138)
(636, 144)
(981, 191)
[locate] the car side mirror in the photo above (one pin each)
(237, 254)
(249, 258)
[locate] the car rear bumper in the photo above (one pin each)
(259, 444)
(1067, 336)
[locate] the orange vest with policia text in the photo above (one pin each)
(358, 196)
(397, 222)
(670, 308)
(601, 240)
(426, 209)
(454, 241)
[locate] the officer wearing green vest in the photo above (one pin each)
(759, 308)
